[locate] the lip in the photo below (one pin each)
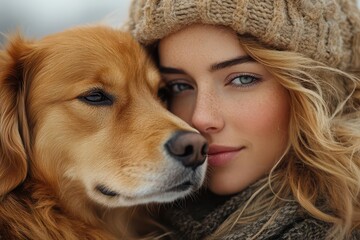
(220, 155)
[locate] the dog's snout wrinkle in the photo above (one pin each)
(189, 148)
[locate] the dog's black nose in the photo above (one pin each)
(189, 148)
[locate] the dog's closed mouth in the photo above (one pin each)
(110, 193)
(181, 187)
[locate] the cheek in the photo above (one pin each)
(266, 115)
(269, 118)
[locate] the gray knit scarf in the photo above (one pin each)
(198, 219)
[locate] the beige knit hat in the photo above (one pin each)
(325, 30)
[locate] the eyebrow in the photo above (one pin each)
(171, 70)
(213, 67)
(231, 62)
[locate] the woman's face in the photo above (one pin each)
(231, 99)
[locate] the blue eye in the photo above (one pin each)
(244, 80)
(177, 88)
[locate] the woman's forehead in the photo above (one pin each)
(211, 43)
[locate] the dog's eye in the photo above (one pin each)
(96, 97)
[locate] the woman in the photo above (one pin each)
(274, 87)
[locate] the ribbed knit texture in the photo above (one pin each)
(196, 220)
(325, 30)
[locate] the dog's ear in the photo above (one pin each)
(14, 134)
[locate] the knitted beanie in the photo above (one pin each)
(324, 30)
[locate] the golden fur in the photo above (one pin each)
(79, 110)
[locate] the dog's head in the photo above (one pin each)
(79, 110)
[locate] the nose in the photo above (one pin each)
(207, 116)
(189, 148)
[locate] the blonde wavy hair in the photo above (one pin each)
(321, 167)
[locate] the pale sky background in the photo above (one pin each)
(36, 18)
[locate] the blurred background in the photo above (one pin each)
(36, 18)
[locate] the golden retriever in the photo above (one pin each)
(84, 136)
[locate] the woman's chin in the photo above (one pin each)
(224, 187)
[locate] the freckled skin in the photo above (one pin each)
(254, 117)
